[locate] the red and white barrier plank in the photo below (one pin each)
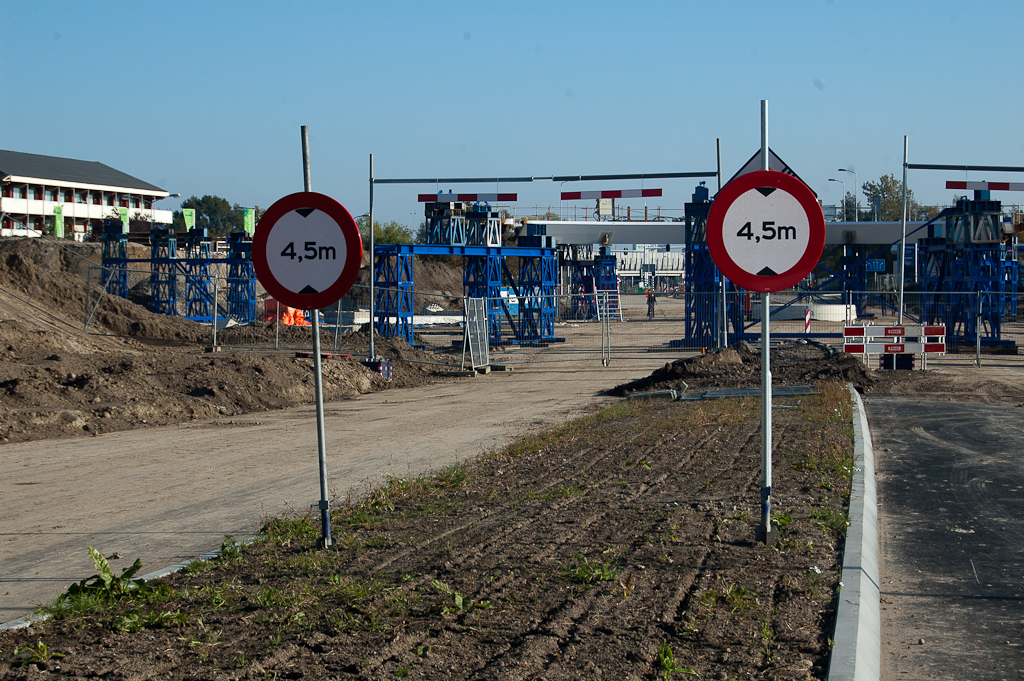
(876, 339)
(611, 194)
(466, 198)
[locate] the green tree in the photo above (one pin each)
(384, 233)
(889, 191)
(213, 212)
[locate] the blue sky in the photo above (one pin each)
(208, 97)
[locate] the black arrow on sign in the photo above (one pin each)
(309, 290)
(767, 272)
(766, 190)
(304, 212)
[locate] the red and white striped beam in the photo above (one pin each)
(612, 194)
(982, 186)
(457, 198)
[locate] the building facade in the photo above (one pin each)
(34, 187)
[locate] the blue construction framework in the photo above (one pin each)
(393, 279)
(485, 272)
(241, 296)
(967, 281)
(703, 281)
(586, 278)
(199, 272)
(163, 280)
(165, 266)
(114, 276)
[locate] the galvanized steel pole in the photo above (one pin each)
(903, 231)
(765, 529)
(372, 262)
(725, 320)
(318, 385)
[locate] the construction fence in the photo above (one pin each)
(601, 327)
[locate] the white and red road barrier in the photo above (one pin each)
(466, 198)
(876, 339)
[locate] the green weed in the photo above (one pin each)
(668, 663)
(564, 492)
(582, 571)
(230, 550)
(284, 531)
(37, 653)
(832, 520)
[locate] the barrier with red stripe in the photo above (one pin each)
(983, 186)
(877, 339)
(465, 198)
(611, 194)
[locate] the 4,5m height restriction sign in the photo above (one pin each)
(307, 250)
(765, 231)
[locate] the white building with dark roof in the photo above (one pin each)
(87, 192)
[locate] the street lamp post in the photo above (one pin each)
(832, 179)
(856, 202)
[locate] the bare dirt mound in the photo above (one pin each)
(57, 380)
(739, 366)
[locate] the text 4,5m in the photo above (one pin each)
(769, 231)
(310, 251)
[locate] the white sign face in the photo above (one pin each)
(766, 231)
(306, 251)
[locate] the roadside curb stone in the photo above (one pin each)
(856, 654)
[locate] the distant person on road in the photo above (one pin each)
(650, 303)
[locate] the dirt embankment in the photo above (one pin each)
(57, 381)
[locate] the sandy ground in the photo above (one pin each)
(168, 494)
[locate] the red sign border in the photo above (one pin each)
(353, 242)
(716, 223)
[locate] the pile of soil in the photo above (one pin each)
(739, 366)
(57, 380)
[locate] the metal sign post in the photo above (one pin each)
(307, 251)
(318, 386)
(765, 232)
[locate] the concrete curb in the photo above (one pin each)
(857, 652)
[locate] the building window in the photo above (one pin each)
(97, 198)
(108, 199)
(50, 194)
(69, 195)
(80, 196)
(37, 192)
(17, 191)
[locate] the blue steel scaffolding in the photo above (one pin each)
(484, 275)
(163, 276)
(114, 277)
(241, 296)
(703, 281)
(165, 266)
(199, 272)
(967, 282)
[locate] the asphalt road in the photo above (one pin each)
(169, 494)
(951, 524)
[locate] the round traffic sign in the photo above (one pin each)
(307, 250)
(765, 231)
